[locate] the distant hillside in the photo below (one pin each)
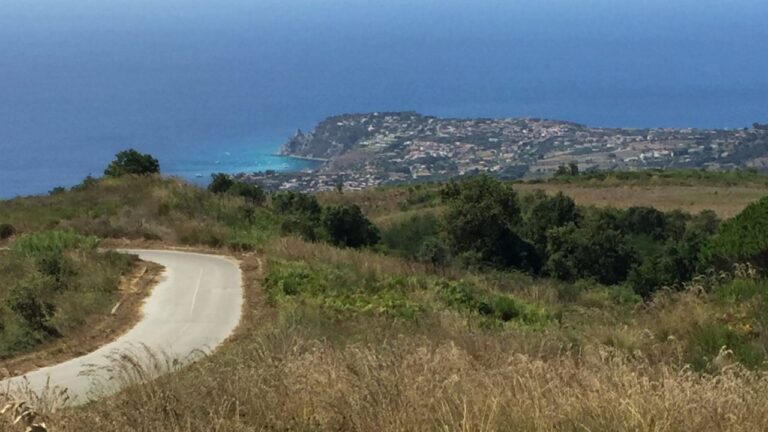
(407, 145)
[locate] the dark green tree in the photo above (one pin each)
(705, 222)
(646, 220)
(296, 203)
(481, 217)
(253, 194)
(742, 239)
(588, 252)
(347, 226)
(131, 162)
(547, 213)
(220, 183)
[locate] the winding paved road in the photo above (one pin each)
(195, 307)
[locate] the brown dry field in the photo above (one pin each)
(726, 201)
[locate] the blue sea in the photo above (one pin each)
(210, 86)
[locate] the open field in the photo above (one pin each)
(385, 205)
(726, 201)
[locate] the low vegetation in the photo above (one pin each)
(462, 306)
(50, 283)
(341, 339)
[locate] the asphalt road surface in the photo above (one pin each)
(195, 307)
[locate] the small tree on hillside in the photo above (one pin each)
(253, 194)
(220, 183)
(547, 213)
(296, 204)
(347, 226)
(131, 162)
(482, 217)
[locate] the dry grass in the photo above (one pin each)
(284, 380)
(385, 205)
(726, 201)
(364, 261)
(300, 370)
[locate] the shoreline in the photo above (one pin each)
(309, 158)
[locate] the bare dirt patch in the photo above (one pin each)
(98, 330)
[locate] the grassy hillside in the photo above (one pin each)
(144, 208)
(51, 283)
(423, 326)
(350, 340)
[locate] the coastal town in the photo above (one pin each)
(367, 150)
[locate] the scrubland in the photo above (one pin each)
(392, 335)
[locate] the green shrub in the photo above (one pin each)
(346, 226)
(220, 183)
(296, 203)
(53, 242)
(544, 213)
(708, 339)
(741, 290)
(341, 291)
(463, 296)
(481, 217)
(48, 289)
(588, 252)
(131, 162)
(743, 238)
(407, 237)
(433, 251)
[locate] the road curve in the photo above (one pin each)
(196, 306)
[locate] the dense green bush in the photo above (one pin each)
(297, 204)
(50, 283)
(131, 162)
(588, 252)
(433, 251)
(464, 296)
(743, 238)
(545, 212)
(483, 217)
(408, 237)
(646, 221)
(223, 183)
(347, 226)
(220, 183)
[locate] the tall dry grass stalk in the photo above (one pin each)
(285, 381)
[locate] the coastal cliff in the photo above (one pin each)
(380, 148)
(337, 135)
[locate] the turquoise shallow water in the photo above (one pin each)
(35, 173)
(198, 168)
